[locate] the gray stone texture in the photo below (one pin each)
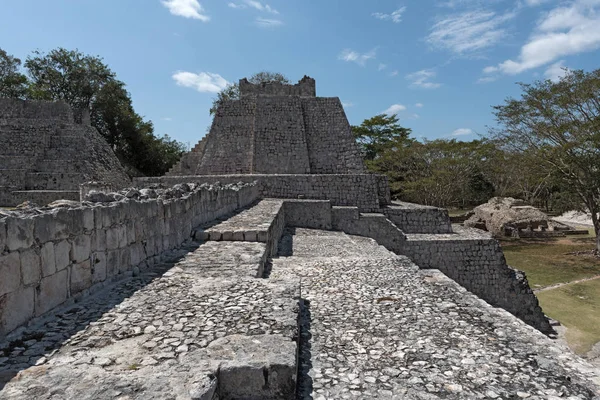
(276, 129)
(48, 150)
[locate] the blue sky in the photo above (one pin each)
(440, 64)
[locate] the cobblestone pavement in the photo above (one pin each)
(374, 326)
(163, 334)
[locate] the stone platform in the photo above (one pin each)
(372, 325)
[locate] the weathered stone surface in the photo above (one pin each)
(98, 261)
(19, 233)
(31, 267)
(16, 308)
(10, 272)
(48, 258)
(52, 292)
(2, 236)
(81, 276)
(48, 150)
(80, 248)
(62, 254)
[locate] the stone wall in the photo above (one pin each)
(416, 218)
(475, 261)
(306, 87)
(342, 190)
(50, 259)
(46, 147)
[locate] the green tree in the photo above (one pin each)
(232, 91)
(560, 123)
(85, 81)
(379, 133)
(13, 84)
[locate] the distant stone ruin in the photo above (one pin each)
(47, 150)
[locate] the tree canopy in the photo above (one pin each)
(232, 91)
(85, 81)
(379, 133)
(560, 123)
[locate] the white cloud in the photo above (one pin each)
(565, 30)
(186, 9)
(394, 109)
(422, 79)
(268, 23)
(347, 104)
(254, 4)
(353, 56)
(204, 82)
(469, 31)
(556, 71)
(419, 105)
(462, 132)
(381, 67)
(395, 16)
(167, 119)
(394, 73)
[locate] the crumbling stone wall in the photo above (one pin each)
(342, 190)
(44, 149)
(49, 259)
(416, 218)
(306, 87)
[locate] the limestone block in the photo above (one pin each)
(130, 230)
(113, 262)
(98, 239)
(124, 259)
(75, 217)
(250, 236)
(62, 254)
(48, 228)
(87, 218)
(52, 292)
(2, 236)
(48, 259)
(136, 253)
(98, 267)
(10, 273)
(122, 232)
(81, 277)
(31, 267)
(16, 309)
(81, 248)
(19, 233)
(112, 238)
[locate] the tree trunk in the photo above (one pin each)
(596, 230)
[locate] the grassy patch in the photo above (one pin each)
(576, 306)
(546, 262)
(456, 212)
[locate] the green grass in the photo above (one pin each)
(547, 262)
(576, 306)
(455, 212)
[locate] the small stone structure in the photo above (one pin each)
(47, 150)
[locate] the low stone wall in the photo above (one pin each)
(360, 190)
(50, 259)
(416, 218)
(475, 261)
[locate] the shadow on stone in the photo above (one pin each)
(304, 386)
(31, 345)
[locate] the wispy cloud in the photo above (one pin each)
(568, 29)
(470, 31)
(356, 57)
(394, 72)
(419, 105)
(254, 4)
(422, 79)
(394, 109)
(462, 132)
(167, 119)
(394, 16)
(187, 9)
(268, 23)
(204, 82)
(347, 104)
(381, 67)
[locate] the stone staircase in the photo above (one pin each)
(189, 161)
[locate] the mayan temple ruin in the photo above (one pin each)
(47, 150)
(267, 264)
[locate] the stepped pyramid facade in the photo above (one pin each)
(47, 150)
(276, 129)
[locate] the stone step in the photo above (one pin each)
(417, 218)
(12, 177)
(53, 181)
(263, 222)
(203, 325)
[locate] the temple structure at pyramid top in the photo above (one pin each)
(276, 128)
